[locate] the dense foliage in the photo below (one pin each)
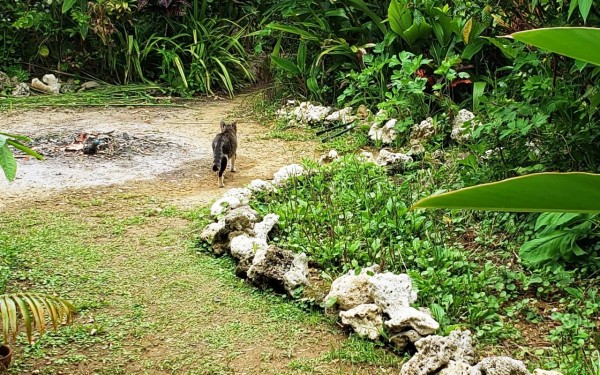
(537, 111)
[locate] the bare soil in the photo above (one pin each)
(160, 310)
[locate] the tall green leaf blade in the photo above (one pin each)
(580, 43)
(8, 163)
(478, 90)
(67, 5)
(542, 192)
(293, 30)
(584, 8)
(360, 4)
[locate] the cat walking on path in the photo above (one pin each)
(224, 148)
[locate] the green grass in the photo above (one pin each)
(350, 214)
(147, 300)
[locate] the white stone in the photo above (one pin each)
(287, 172)
(539, 371)
(460, 133)
(386, 134)
(242, 194)
(391, 292)
(406, 318)
(423, 132)
(436, 352)
(329, 157)
(351, 290)
(263, 228)
(365, 320)
(52, 82)
(297, 275)
(244, 246)
(386, 157)
(261, 185)
(343, 115)
(456, 368)
(224, 204)
(499, 366)
(209, 232)
(21, 90)
(366, 157)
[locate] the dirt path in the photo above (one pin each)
(114, 237)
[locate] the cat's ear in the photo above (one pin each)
(222, 125)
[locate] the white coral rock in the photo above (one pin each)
(351, 290)
(364, 319)
(244, 246)
(297, 275)
(242, 194)
(209, 232)
(406, 318)
(224, 204)
(329, 157)
(263, 228)
(261, 185)
(287, 172)
(386, 157)
(343, 115)
(386, 134)
(460, 132)
(422, 132)
(391, 292)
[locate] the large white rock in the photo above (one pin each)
(263, 228)
(242, 194)
(365, 320)
(391, 292)
(297, 276)
(223, 205)
(261, 185)
(499, 366)
(460, 132)
(456, 368)
(209, 232)
(407, 318)
(386, 134)
(423, 131)
(386, 157)
(435, 352)
(351, 290)
(343, 115)
(244, 246)
(539, 371)
(329, 157)
(287, 172)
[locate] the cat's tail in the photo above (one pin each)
(218, 156)
(223, 165)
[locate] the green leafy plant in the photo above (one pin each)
(8, 163)
(32, 309)
(559, 235)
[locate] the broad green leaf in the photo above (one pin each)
(8, 163)
(3, 140)
(572, 7)
(554, 219)
(581, 43)
(399, 16)
(541, 192)
(285, 64)
(312, 84)
(544, 249)
(505, 47)
(67, 5)
(472, 48)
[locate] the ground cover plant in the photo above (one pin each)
(350, 215)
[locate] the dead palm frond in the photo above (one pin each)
(33, 309)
